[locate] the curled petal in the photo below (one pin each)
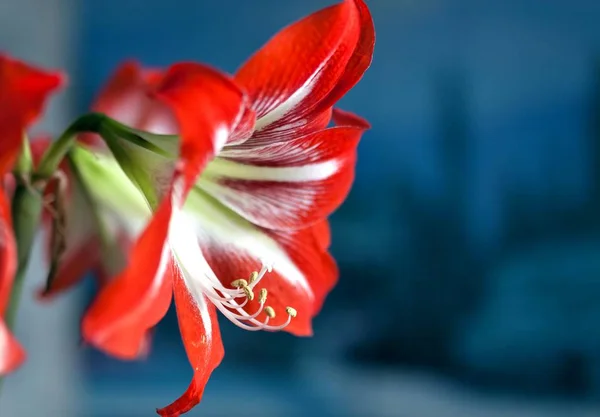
(360, 60)
(301, 65)
(202, 340)
(23, 93)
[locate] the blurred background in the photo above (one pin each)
(469, 247)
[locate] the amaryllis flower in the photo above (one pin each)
(23, 92)
(236, 201)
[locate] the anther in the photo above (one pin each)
(253, 277)
(269, 312)
(262, 296)
(248, 291)
(291, 311)
(239, 283)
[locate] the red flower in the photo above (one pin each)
(23, 92)
(249, 193)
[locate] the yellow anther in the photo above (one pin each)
(239, 283)
(269, 312)
(253, 277)
(248, 291)
(291, 311)
(262, 296)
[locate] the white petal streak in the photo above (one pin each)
(255, 204)
(272, 152)
(291, 102)
(194, 267)
(220, 138)
(216, 225)
(233, 170)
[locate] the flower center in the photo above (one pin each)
(226, 300)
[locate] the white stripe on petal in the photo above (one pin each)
(292, 101)
(248, 202)
(310, 172)
(214, 223)
(193, 266)
(220, 138)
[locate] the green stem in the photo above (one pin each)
(56, 152)
(26, 209)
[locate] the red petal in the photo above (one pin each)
(8, 253)
(11, 352)
(287, 185)
(318, 267)
(360, 60)
(315, 122)
(244, 128)
(83, 251)
(23, 92)
(302, 64)
(126, 98)
(346, 118)
(202, 340)
(137, 299)
(322, 233)
(207, 106)
(73, 267)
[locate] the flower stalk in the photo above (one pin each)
(58, 150)
(26, 209)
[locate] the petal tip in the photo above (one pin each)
(346, 118)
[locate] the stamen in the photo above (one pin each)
(239, 283)
(262, 297)
(253, 277)
(226, 300)
(248, 291)
(291, 312)
(259, 275)
(270, 312)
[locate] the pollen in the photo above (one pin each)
(291, 312)
(269, 312)
(253, 277)
(239, 283)
(248, 291)
(262, 296)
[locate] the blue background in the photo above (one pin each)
(469, 247)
